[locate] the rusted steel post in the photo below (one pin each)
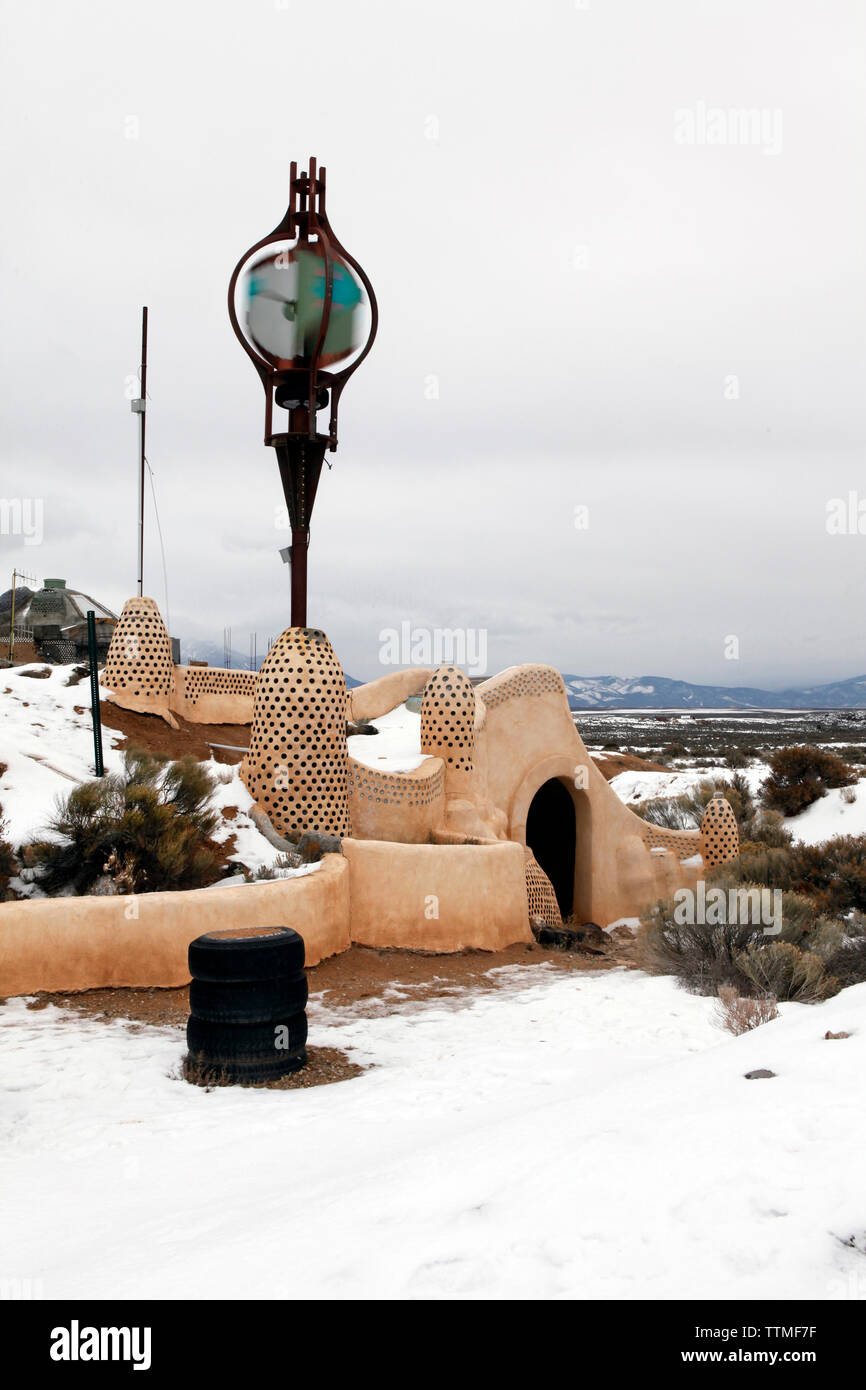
(306, 375)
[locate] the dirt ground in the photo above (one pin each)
(387, 980)
(612, 764)
(153, 733)
(363, 980)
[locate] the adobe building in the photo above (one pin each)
(502, 817)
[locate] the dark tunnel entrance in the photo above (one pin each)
(551, 834)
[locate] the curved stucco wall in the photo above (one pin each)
(414, 897)
(622, 864)
(379, 697)
(402, 806)
(141, 942)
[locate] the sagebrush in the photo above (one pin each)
(800, 775)
(741, 1014)
(143, 830)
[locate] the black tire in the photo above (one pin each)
(250, 1044)
(251, 1001)
(245, 954)
(248, 1073)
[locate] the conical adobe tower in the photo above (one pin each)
(138, 665)
(297, 767)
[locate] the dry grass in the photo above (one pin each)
(741, 1015)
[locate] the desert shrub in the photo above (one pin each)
(766, 828)
(768, 865)
(675, 750)
(852, 753)
(801, 775)
(786, 971)
(667, 811)
(707, 956)
(832, 873)
(685, 812)
(740, 1015)
(703, 958)
(290, 860)
(736, 758)
(8, 862)
(145, 829)
(843, 950)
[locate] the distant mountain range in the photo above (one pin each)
(660, 692)
(637, 692)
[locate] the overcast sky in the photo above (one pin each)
(586, 299)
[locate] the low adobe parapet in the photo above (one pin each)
(213, 695)
(405, 807)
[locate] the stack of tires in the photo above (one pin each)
(247, 1000)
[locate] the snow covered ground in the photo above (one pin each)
(396, 747)
(841, 812)
(562, 1136)
(46, 742)
(833, 815)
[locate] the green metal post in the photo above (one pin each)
(94, 693)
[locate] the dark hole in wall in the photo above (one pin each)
(551, 834)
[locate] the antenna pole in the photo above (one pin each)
(139, 406)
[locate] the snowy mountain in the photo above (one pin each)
(660, 692)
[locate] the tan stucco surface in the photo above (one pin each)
(437, 897)
(226, 699)
(92, 942)
(377, 697)
(396, 806)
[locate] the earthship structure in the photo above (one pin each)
(497, 819)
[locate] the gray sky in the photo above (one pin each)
(621, 312)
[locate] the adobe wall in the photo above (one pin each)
(212, 695)
(379, 697)
(140, 675)
(437, 897)
(23, 650)
(400, 806)
(414, 897)
(90, 942)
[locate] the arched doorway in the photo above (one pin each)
(551, 834)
